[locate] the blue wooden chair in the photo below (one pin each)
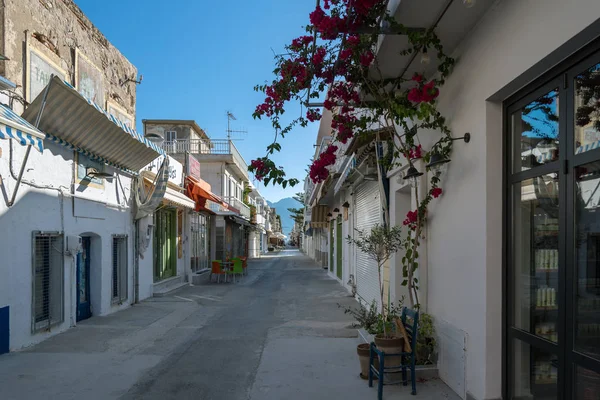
(408, 358)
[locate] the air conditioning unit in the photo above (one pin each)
(74, 245)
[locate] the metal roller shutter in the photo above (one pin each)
(368, 214)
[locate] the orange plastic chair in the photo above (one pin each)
(245, 264)
(217, 270)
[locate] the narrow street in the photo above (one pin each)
(276, 334)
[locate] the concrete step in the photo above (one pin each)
(164, 288)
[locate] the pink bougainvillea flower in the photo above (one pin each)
(346, 54)
(436, 192)
(317, 16)
(411, 219)
(353, 40)
(430, 92)
(415, 152)
(415, 95)
(366, 58)
(313, 115)
(417, 78)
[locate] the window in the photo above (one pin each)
(119, 269)
(47, 301)
(170, 136)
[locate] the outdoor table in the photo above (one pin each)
(226, 266)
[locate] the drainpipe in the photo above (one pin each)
(136, 262)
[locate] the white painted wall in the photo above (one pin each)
(465, 229)
(56, 208)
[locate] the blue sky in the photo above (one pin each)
(202, 58)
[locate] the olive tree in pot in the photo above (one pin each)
(380, 244)
(369, 320)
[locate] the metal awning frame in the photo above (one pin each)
(27, 152)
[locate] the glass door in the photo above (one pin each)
(535, 237)
(583, 250)
(553, 238)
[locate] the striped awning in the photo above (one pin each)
(14, 127)
(318, 217)
(173, 197)
(75, 121)
(587, 147)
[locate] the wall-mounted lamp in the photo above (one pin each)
(438, 163)
(329, 215)
(412, 175)
(336, 210)
(346, 205)
(94, 173)
(154, 138)
(137, 82)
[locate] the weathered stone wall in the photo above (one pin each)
(56, 28)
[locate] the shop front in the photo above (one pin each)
(553, 234)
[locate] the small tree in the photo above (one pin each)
(379, 244)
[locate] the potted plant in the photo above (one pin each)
(380, 244)
(369, 320)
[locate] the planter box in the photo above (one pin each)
(422, 371)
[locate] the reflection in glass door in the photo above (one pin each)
(535, 263)
(199, 226)
(553, 239)
(583, 349)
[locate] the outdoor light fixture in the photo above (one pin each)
(336, 210)
(425, 59)
(438, 162)
(329, 215)
(94, 173)
(469, 3)
(346, 205)
(413, 175)
(154, 138)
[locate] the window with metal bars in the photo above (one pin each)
(47, 287)
(119, 269)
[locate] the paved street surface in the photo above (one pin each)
(276, 334)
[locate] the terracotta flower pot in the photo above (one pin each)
(393, 345)
(363, 350)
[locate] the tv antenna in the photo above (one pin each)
(231, 117)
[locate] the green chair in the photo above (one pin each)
(237, 268)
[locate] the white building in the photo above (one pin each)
(67, 228)
(502, 237)
(224, 169)
(257, 240)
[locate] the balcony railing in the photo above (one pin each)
(219, 147)
(238, 205)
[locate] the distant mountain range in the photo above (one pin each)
(287, 223)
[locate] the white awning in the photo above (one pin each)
(179, 199)
(73, 120)
(14, 127)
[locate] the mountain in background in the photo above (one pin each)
(287, 223)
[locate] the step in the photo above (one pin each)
(164, 288)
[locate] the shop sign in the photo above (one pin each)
(193, 167)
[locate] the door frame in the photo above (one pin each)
(331, 244)
(568, 358)
(338, 245)
(84, 310)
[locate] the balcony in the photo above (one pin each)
(220, 150)
(341, 158)
(238, 205)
